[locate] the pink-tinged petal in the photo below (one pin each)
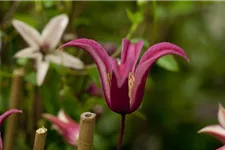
(62, 116)
(30, 35)
(130, 53)
(216, 131)
(101, 58)
(119, 94)
(53, 31)
(121, 72)
(221, 116)
(42, 68)
(149, 57)
(221, 148)
(1, 145)
(7, 113)
(55, 121)
(65, 59)
(30, 52)
(66, 127)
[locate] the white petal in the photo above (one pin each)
(215, 130)
(53, 30)
(30, 52)
(42, 68)
(221, 116)
(30, 35)
(65, 59)
(62, 117)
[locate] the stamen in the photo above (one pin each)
(109, 75)
(131, 80)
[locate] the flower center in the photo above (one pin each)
(131, 80)
(44, 49)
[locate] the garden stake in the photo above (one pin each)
(86, 134)
(40, 137)
(14, 102)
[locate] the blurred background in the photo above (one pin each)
(180, 98)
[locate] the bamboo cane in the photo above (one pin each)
(86, 133)
(40, 137)
(14, 102)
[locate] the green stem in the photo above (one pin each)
(154, 20)
(122, 126)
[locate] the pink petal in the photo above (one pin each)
(1, 145)
(221, 148)
(3, 117)
(42, 68)
(69, 130)
(119, 94)
(101, 58)
(7, 113)
(30, 35)
(221, 116)
(56, 121)
(53, 31)
(129, 58)
(65, 59)
(149, 57)
(216, 131)
(130, 53)
(62, 116)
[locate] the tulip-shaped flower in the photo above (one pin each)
(3, 117)
(65, 125)
(42, 46)
(217, 130)
(123, 82)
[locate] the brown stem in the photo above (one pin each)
(14, 102)
(35, 114)
(40, 137)
(122, 126)
(87, 128)
(37, 106)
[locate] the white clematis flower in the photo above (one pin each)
(42, 46)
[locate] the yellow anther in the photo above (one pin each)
(109, 75)
(130, 84)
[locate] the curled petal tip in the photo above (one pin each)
(15, 111)
(214, 130)
(8, 113)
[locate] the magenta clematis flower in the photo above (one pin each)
(3, 117)
(217, 130)
(124, 82)
(65, 125)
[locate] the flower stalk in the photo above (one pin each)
(122, 127)
(87, 128)
(11, 123)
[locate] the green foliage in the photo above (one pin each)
(168, 62)
(31, 78)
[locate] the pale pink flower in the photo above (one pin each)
(65, 125)
(217, 130)
(42, 46)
